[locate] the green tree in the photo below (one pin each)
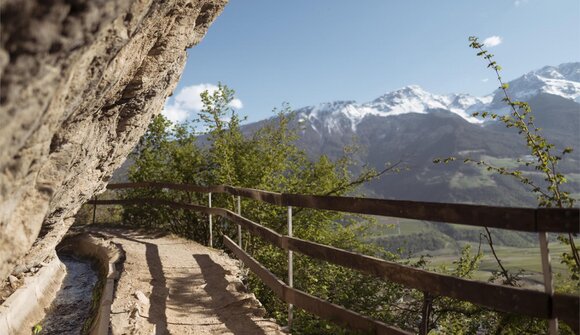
(267, 159)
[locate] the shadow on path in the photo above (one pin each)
(158, 299)
(160, 291)
(215, 278)
(190, 291)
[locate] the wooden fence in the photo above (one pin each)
(546, 305)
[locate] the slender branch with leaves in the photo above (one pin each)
(545, 160)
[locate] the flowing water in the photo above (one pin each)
(72, 305)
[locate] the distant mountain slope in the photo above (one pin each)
(417, 126)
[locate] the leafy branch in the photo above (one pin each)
(523, 120)
(365, 177)
(509, 279)
(546, 162)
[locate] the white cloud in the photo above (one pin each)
(236, 104)
(187, 102)
(174, 113)
(485, 80)
(492, 41)
(519, 2)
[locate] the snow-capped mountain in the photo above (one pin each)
(409, 99)
(416, 126)
(562, 80)
(413, 99)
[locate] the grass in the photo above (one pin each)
(483, 179)
(388, 226)
(506, 162)
(573, 177)
(461, 181)
(514, 259)
(526, 259)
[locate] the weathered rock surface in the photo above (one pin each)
(80, 81)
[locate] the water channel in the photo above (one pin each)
(72, 305)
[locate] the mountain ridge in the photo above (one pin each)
(562, 80)
(416, 126)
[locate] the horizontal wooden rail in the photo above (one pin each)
(497, 297)
(567, 308)
(310, 303)
(158, 202)
(256, 229)
(557, 220)
(170, 186)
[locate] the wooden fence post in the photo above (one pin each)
(290, 269)
(95, 209)
(427, 301)
(210, 222)
(240, 226)
(547, 271)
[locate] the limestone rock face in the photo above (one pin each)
(80, 82)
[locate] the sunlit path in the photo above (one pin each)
(170, 285)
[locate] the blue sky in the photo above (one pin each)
(309, 51)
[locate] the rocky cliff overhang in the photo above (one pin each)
(80, 82)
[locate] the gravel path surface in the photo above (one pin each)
(170, 285)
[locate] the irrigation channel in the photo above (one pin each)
(72, 307)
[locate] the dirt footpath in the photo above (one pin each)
(170, 285)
